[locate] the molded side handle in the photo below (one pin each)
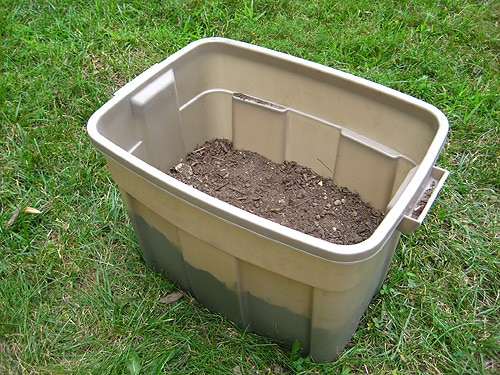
(416, 214)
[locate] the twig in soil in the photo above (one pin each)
(304, 201)
(221, 186)
(224, 147)
(236, 190)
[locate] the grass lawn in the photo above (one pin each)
(76, 296)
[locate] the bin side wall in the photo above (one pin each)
(262, 301)
(262, 285)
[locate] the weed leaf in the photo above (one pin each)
(13, 217)
(172, 297)
(295, 349)
(133, 363)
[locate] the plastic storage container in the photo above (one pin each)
(268, 278)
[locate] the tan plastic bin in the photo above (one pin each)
(268, 278)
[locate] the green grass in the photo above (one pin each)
(75, 294)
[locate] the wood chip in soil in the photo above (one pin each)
(288, 193)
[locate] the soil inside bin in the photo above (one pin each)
(286, 193)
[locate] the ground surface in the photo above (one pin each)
(286, 193)
(76, 297)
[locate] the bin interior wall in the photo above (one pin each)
(330, 150)
(378, 116)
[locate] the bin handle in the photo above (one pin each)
(418, 210)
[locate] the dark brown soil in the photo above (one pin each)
(419, 207)
(286, 193)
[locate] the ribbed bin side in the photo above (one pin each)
(315, 301)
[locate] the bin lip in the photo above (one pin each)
(260, 226)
